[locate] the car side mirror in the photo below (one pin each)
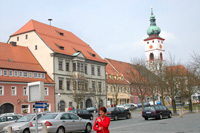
(80, 119)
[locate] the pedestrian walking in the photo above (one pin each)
(102, 123)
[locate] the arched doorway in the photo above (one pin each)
(88, 103)
(61, 106)
(151, 56)
(6, 108)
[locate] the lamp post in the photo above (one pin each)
(59, 101)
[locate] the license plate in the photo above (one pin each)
(148, 112)
(39, 125)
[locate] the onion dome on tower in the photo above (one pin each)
(153, 29)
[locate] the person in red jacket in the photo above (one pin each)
(102, 122)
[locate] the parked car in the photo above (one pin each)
(145, 104)
(116, 113)
(156, 111)
(129, 107)
(8, 118)
(83, 113)
(62, 122)
(92, 109)
(23, 124)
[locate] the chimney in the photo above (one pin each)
(13, 44)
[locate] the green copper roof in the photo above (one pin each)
(153, 29)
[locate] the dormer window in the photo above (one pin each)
(60, 47)
(93, 55)
(60, 33)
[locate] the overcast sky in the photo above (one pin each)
(113, 28)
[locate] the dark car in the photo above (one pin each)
(156, 111)
(145, 104)
(129, 107)
(83, 113)
(92, 109)
(116, 113)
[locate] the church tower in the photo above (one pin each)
(154, 50)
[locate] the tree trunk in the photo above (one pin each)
(174, 105)
(190, 104)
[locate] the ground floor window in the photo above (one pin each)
(48, 108)
(34, 110)
(25, 108)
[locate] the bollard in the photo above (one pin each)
(9, 129)
(197, 110)
(180, 112)
(44, 128)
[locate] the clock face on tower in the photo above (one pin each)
(160, 46)
(150, 47)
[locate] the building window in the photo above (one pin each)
(92, 69)
(60, 84)
(26, 37)
(153, 41)
(0, 72)
(99, 86)
(5, 72)
(86, 69)
(60, 63)
(68, 85)
(39, 75)
(1, 90)
(78, 67)
(10, 73)
(99, 71)
(74, 66)
(67, 66)
(151, 56)
(43, 75)
(86, 85)
(46, 91)
(111, 89)
(30, 74)
(81, 67)
(25, 91)
(107, 88)
(16, 73)
(13, 90)
(20, 73)
(121, 89)
(25, 74)
(25, 109)
(17, 38)
(147, 42)
(161, 56)
(35, 75)
(93, 85)
(35, 47)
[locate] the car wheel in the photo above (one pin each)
(26, 131)
(91, 118)
(160, 116)
(88, 128)
(116, 117)
(128, 116)
(60, 130)
(146, 118)
(170, 115)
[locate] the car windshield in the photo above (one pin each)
(26, 118)
(110, 109)
(48, 116)
(148, 108)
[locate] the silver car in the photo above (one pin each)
(8, 118)
(23, 124)
(63, 122)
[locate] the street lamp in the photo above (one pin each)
(59, 101)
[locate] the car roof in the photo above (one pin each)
(10, 114)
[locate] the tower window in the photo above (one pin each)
(161, 56)
(26, 37)
(151, 56)
(147, 42)
(152, 41)
(35, 47)
(17, 38)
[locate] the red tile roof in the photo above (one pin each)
(19, 58)
(50, 35)
(125, 68)
(179, 70)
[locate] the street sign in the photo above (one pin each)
(40, 105)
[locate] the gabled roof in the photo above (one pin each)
(59, 40)
(19, 58)
(178, 70)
